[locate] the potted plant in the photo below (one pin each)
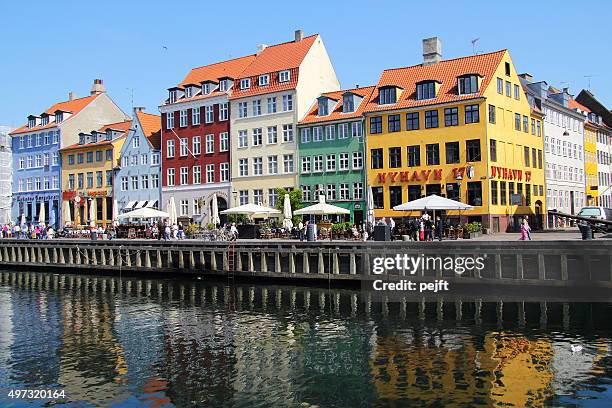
(472, 230)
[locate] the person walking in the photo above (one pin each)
(439, 228)
(525, 231)
(301, 231)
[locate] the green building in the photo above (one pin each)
(332, 151)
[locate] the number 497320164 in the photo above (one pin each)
(36, 394)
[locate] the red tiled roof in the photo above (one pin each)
(275, 58)
(280, 57)
(231, 68)
(151, 127)
(336, 113)
(97, 144)
(275, 85)
(124, 125)
(445, 72)
(573, 104)
(74, 106)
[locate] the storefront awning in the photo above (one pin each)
(140, 204)
(129, 205)
(151, 204)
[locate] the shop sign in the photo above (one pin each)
(509, 174)
(99, 193)
(423, 175)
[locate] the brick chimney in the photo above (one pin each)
(71, 96)
(299, 35)
(97, 87)
(432, 50)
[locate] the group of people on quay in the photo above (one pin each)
(422, 228)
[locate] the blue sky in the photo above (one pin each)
(47, 50)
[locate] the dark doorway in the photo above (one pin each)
(358, 217)
(221, 205)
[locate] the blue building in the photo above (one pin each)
(137, 182)
(36, 158)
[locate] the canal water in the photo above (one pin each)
(153, 343)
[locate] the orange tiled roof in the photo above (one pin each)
(275, 58)
(445, 72)
(74, 106)
(124, 125)
(151, 127)
(573, 104)
(336, 113)
(231, 68)
(280, 57)
(97, 144)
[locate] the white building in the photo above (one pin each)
(6, 174)
(271, 95)
(563, 147)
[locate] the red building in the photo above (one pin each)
(196, 140)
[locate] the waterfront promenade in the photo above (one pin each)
(559, 263)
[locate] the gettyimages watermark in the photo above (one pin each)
(385, 271)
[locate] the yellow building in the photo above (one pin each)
(460, 128)
(88, 174)
(590, 163)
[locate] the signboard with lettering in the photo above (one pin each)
(509, 174)
(423, 175)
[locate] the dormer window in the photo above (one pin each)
(172, 96)
(59, 116)
(223, 85)
(284, 76)
(468, 84)
(109, 134)
(348, 103)
(188, 93)
(81, 139)
(245, 83)
(387, 95)
(44, 120)
(264, 80)
(31, 122)
(323, 108)
(426, 90)
(206, 88)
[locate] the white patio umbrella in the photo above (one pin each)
(115, 212)
(370, 207)
(432, 202)
(214, 216)
(92, 213)
(250, 209)
(287, 222)
(172, 211)
(322, 208)
(22, 222)
(66, 212)
(144, 213)
(41, 214)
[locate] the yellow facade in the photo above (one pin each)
(509, 167)
(590, 164)
(87, 172)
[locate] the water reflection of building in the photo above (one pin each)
(463, 370)
(6, 336)
(198, 352)
(93, 367)
(36, 323)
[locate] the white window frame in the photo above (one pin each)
(273, 164)
(245, 83)
(209, 114)
(224, 171)
(284, 76)
(210, 173)
(195, 116)
(197, 174)
(264, 80)
(183, 118)
(196, 145)
(223, 141)
(184, 176)
(223, 111)
(243, 139)
(210, 143)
